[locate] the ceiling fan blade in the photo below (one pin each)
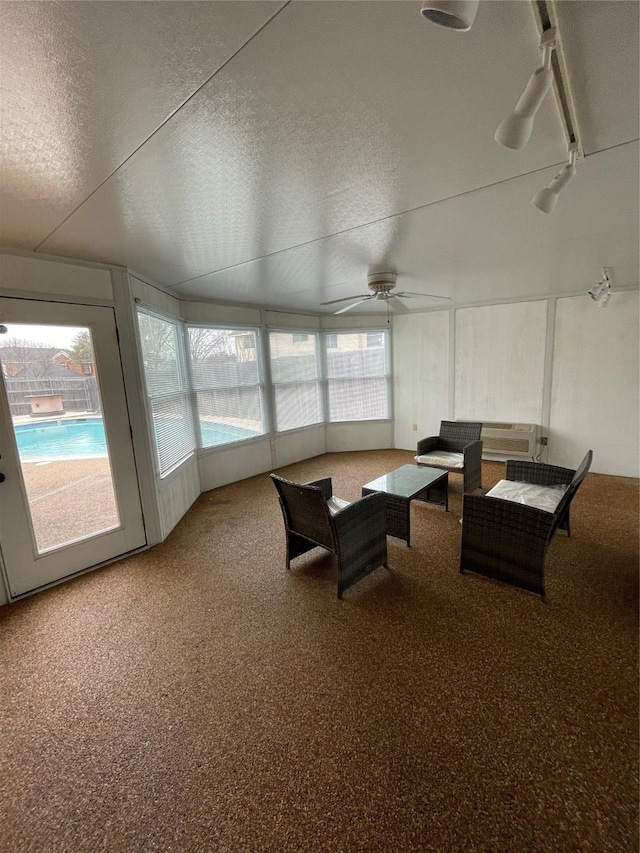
(409, 294)
(353, 305)
(396, 305)
(346, 299)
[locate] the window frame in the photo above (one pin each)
(321, 376)
(264, 384)
(388, 370)
(184, 368)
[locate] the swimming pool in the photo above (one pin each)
(65, 438)
(75, 437)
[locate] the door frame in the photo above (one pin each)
(123, 306)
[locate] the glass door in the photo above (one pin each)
(68, 493)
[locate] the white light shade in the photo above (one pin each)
(454, 14)
(515, 130)
(546, 199)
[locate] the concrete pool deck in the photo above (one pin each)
(69, 499)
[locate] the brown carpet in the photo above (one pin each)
(198, 697)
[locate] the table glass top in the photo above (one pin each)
(406, 481)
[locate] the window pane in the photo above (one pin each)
(225, 368)
(358, 399)
(167, 388)
(294, 371)
(357, 375)
(230, 414)
(163, 369)
(298, 405)
(173, 430)
(221, 358)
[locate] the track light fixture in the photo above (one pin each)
(515, 130)
(547, 198)
(601, 293)
(454, 14)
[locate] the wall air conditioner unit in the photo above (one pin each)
(509, 440)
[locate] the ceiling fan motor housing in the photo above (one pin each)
(382, 283)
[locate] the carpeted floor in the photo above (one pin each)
(198, 697)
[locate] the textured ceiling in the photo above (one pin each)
(273, 153)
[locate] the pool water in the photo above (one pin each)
(85, 437)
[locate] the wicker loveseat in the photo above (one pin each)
(354, 532)
(506, 533)
(457, 449)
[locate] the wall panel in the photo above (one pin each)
(296, 446)
(219, 467)
(360, 435)
(594, 399)
(176, 493)
(54, 278)
(499, 362)
(420, 375)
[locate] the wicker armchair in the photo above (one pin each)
(354, 532)
(508, 540)
(457, 449)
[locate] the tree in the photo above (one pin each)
(81, 351)
(20, 353)
(205, 344)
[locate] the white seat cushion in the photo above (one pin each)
(336, 504)
(542, 497)
(441, 459)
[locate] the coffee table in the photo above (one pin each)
(407, 483)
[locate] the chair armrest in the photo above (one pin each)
(364, 519)
(538, 473)
(472, 456)
(497, 525)
(426, 445)
(506, 541)
(472, 453)
(324, 485)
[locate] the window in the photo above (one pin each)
(296, 379)
(374, 339)
(357, 376)
(331, 341)
(162, 344)
(227, 380)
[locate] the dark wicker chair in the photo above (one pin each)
(455, 438)
(508, 541)
(356, 533)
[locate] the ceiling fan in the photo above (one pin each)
(381, 285)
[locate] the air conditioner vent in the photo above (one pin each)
(509, 440)
(506, 445)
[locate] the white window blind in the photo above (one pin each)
(295, 374)
(167, 385)
(357, 375)
(227, 379)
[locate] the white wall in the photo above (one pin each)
(43, 276)
(499, 362)
(578, 378)
(594, 401)
(420, 375)
(359, 435)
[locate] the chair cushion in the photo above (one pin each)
(442, 459)
(336, 504)
(542, 497)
